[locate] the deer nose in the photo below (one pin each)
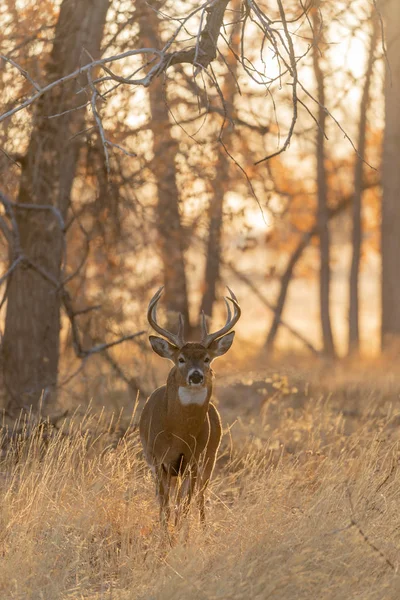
(196, 377)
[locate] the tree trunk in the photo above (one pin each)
(322, 193)
(220, 187)
(30, 349)
(165, 148)
(294, 258)
(354, 332)
(390, 332)
(213, 252)
(284, 288)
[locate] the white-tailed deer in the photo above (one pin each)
(180, 428)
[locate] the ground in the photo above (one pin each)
(304, 503)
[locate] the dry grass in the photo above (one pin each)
(305, 504)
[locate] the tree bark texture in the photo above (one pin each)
(30, 349)
(214, 240)
(168, 219)
(390, 332)
(220, 182)
(322, 197)
(354, 326)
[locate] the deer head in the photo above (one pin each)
(193, 359)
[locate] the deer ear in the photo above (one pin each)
(162, 347)
(222, 345)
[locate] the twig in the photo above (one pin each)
(22, 71)
(53, 209)
(123, 150)
(101, 347)
(76, 340)
(293, 73)
(330, 115)
(84, 311)
(11, 269)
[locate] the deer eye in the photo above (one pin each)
(181, 360)
(206, 360)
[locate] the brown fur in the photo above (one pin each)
(178, 440)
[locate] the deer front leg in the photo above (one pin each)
(209, 458)
(185, 492)
(163, 483)
(204, 479)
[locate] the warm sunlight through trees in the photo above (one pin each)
(197, 145)
(176, 125)
(391, 181)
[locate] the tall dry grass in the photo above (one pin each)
(308, 508)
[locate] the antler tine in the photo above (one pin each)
(204, 330)
(181, 328)
(228, 310)
(176, 339)
(208, 338)
(156, 297)
(232, 295)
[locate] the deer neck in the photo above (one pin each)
(187, 406)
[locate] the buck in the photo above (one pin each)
(180, 428)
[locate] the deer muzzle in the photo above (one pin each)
(195, 377)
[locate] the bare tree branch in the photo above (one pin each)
(20, 259)
(269, 305)
(145, 81)
(15, 264)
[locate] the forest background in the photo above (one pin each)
(198, 145)
(136, 153)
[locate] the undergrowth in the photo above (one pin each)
(308, 508)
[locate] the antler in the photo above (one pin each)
(208, 338)
(176, 339)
